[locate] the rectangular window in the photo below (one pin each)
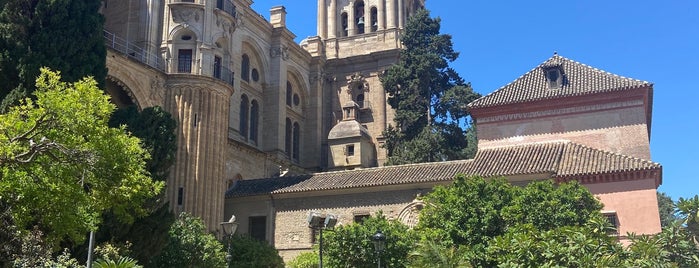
(359, 218)
(349, 150)
(180, 196)
(258, 227)
(613, 221)
(184, 61)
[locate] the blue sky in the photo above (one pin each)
(655, 41)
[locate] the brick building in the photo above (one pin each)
(562, 120)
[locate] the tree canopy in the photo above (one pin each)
(62, 166)
(64, 35)
(351, 245)
(428, 96)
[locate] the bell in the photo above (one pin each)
(361, 21)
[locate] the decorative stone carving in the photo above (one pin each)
(282, 51)
(186, 16)
(409, 214)
(356, 81)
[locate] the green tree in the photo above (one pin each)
(250, 252)
(64, 35)
(428, 96)
(62, 166)
(351, 246)
(190, 245)
(148, 234)
(472, 211)
(666, 207)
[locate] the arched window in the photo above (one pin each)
(244, 115)
(287, 138)
(289, 93)
(374, 19)
(254, 114)
(297, 132)
(343, 19)
(360, 100)
(359, 16)
(245, 68)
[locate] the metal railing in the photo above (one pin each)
(227, 6)
(133, 51)
(224, 74)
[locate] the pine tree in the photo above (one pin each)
(428, 96)
(64, 35)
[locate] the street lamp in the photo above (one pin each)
(229, 227)
(379, 240)
(320, 222)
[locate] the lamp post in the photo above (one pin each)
(320, 222)
(379, 240)
(229, 227)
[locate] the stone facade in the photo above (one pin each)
(249, 101)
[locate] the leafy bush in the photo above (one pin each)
(305, 260)
(249, 252)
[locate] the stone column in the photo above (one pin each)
(332, 23)
(401, 14)
(367, 18)
(381, 14)
(322, 19)
(350, 22)
(391, 14)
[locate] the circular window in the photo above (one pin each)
(255, 75)
(297, 99)
(186, 37)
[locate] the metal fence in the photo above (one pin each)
(133, 51)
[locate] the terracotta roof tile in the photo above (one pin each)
(578, 79)
(582, 160)
(559, 159)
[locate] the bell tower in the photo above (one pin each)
(357, 40)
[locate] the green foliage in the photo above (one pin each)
(64, 35)
(114, 256)
(351, 246)
(428, 96)
(249, 252)
(123, 262)
(473, 211)
(666, 207)
(547, 206)
(567, 246)
(156, 129)
(148, 235)
(305, 260)
(62, 166)
(36, 253)
(429, 253)
(190, 245)
(688, 210)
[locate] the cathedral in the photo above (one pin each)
(270, 130)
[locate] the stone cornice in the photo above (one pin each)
(199, 82)
(561, 111)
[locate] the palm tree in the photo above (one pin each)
(432, 254)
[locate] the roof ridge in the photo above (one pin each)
(388, 167)
(602, 71)
(558, 141)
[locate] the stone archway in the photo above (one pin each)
(129, 81)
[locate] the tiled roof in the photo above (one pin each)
(578, 79)
(558, 159)
(582, 160)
